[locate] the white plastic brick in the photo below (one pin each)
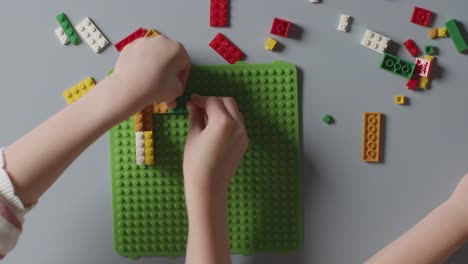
(314, 1)
(62, 36)
(343, 25)
(375, 41)
(140, 148)
(92, 35)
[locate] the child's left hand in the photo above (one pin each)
(151, 70)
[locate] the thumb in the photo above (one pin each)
(196, 119)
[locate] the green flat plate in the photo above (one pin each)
(264, 209)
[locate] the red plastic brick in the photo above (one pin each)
(421, 16)
(280, 27)
(218, 13)
(139, 33)
(411, 47)
(226, 48)
(412, 83)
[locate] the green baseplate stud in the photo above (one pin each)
(264, 209)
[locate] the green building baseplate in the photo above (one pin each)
(264, 209)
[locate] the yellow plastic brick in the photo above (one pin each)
(270, 44)
(159, 108)
(149, 150)
(80, 89)
(400, 99)
(371, 136)
(442, 33)
(428, 57)
(151, 33)
(432, 33)
(423, 82)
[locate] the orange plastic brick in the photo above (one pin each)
(138, 122)
(151, 33)
(148, 118)
(371, 136)
(159, 108)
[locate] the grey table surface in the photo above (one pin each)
(350, 208)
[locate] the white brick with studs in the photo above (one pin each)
(140, 148)
(375, 41)
(92, 35)
(343, 25)
(62, 36)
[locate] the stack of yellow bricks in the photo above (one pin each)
(423, 82)
(143, 125)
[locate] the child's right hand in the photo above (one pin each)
(151, 70)
(216, 143)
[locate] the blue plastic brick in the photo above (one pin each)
(264, 211)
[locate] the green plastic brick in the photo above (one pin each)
(264, 211)
(68, 28)
(181, 104)
(429, 50)
(456, 35)
(109, 72)
(397, 66)
(328, 119)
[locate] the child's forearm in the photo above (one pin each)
(37, 159)
(208, 240)
(431, 241)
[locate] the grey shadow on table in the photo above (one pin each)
(383, 127)
(460, 256)
(295, 32)
(279, 47)
(392, 47)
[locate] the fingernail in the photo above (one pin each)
(188, 105)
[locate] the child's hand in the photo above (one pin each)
(459, 200)
(152, 69)
(216, 143)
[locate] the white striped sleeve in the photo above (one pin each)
(12, 212)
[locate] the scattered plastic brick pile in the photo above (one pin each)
(264, 197)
